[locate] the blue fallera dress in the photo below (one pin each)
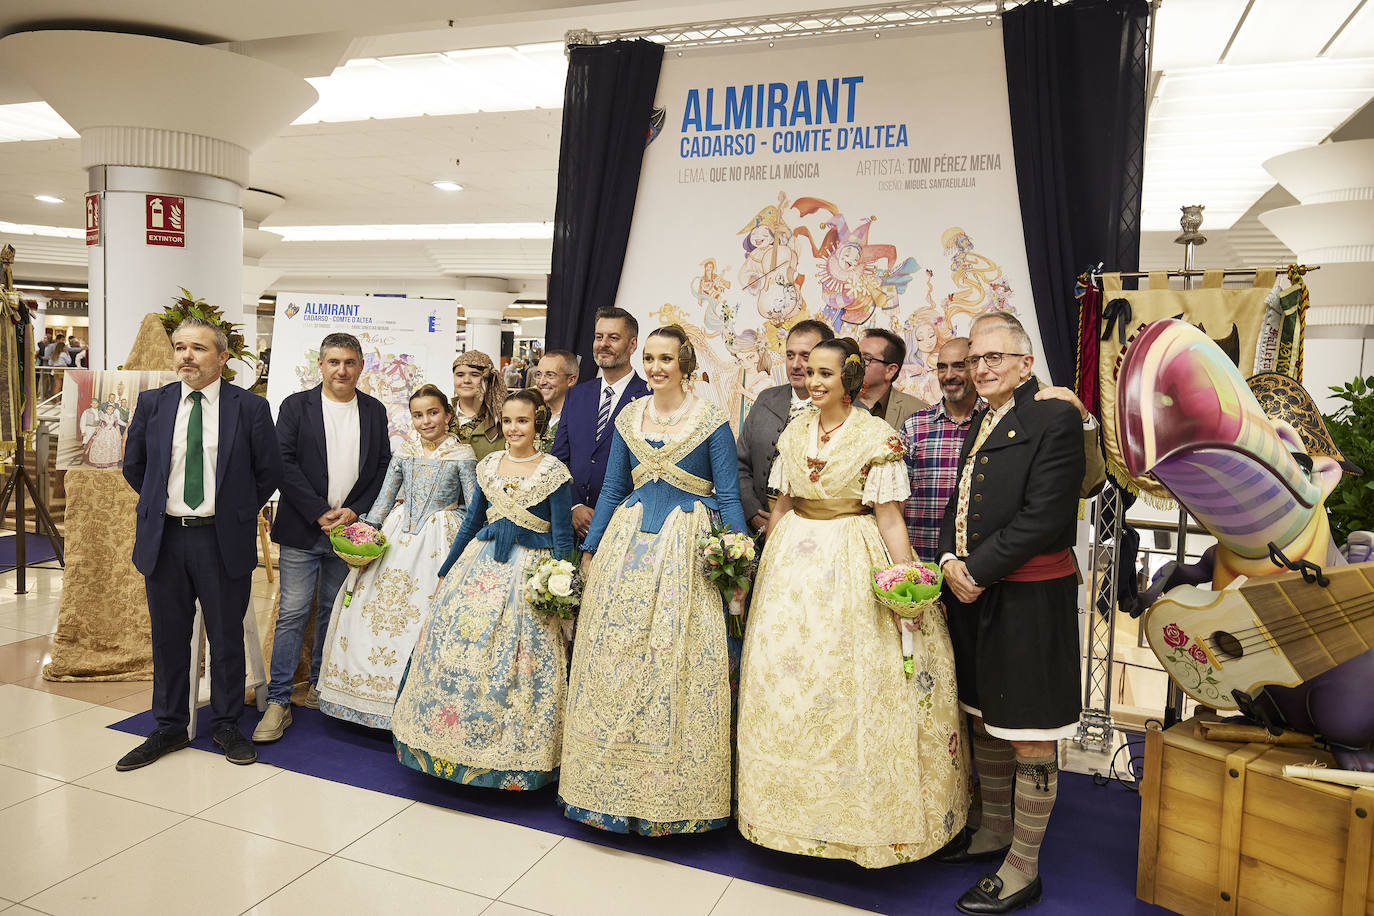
(482, 703)
(369, 640)
(646, 747)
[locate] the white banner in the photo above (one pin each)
(406, 343)
(866, 183)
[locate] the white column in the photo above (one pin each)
(484, 301)
(165, 126)
(1333, 227)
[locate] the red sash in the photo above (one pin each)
(1044, 567)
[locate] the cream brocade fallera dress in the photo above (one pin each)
(840, 754)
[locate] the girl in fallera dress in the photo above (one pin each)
(369, 640)
(478, 393)
(647, 743)
(841, 755)
(482, 702)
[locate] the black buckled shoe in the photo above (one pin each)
(157, 744)
(237, 749)
(982, 899)
(955, 852)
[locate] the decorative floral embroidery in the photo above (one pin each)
(820, 650)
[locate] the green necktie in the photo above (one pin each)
(195, 455)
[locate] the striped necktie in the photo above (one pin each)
(603, 415)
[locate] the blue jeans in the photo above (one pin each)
(304, 574)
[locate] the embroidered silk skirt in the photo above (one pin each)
(482, 702)
(369, 642)
(647, 744)
(840, 754)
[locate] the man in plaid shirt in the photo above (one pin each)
(934, 437)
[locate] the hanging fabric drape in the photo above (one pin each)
(606, 110)
(1076, 77)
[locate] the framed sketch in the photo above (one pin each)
(97, 407)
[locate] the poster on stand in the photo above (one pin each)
(97, 407)
(406, 343)
(864, 183)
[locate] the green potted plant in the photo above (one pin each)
(1351, 505)
(188, 306)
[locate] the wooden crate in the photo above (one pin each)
(1221, 831)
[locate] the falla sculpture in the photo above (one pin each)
(1283, 632)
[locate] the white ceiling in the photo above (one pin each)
(379, 171)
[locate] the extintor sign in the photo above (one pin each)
(92, 219)
(166, 220)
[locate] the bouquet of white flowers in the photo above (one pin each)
(554, 589)
(730, 560)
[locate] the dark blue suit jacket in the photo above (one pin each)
(247, 470)
(305, 467)
(576, 445)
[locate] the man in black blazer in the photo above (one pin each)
(1011, 595)
(203, 457)
(583, 440)
(335, 451)
(772, 411)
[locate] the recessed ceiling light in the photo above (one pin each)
(446, 185)
(48, 198)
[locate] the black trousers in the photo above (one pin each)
(189, 568)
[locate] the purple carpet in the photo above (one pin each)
(1088, 862)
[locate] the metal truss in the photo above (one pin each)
(1095, 730)
(875, 18)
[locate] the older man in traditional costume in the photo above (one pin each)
(1011, 593)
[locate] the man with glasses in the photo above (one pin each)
(554, 374)
(883, 354)
(1011, 595)
(935, 436)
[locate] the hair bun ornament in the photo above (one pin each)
(852, 358)
(687, 358)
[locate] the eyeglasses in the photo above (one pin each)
(868, 360)
(991, 360)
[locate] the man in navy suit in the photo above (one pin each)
(334, 452)
(203, 457)
(583, 441)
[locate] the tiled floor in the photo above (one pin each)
(193, 833)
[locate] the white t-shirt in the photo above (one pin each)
(341, 444)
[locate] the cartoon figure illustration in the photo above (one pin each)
(862, 282)
(857, 291)
(979, 284)
(769, 271)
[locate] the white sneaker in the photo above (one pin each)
(273, 725)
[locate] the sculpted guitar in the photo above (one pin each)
(1271, 630)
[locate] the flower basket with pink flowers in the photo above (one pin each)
(908, 590)
(357, 545)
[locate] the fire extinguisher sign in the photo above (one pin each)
(166, 220)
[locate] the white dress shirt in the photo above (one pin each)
(617, 387)
(342, 441)
(209, 428)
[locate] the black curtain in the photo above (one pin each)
(1076, 76)
(606, 109)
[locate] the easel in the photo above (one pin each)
(1096, 724)
(19, 481)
